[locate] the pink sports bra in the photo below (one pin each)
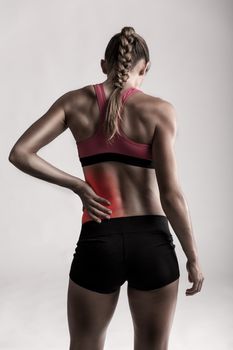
(95, 149)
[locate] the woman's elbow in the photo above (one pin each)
(18, 155)
(169, 197)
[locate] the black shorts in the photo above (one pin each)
(138, 249)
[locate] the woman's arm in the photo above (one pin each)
(24, 156)
(171, 196)
(24, 153)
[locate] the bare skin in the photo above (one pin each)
(137, 191)
(90, 313)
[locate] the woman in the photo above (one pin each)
(125, 140)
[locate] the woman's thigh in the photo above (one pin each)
(89, 312)
(152, 314)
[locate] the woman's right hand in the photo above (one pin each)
(195, 276)
(92, 202)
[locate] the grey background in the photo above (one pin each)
(51, 47)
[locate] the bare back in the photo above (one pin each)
(131, 189)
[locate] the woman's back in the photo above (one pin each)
(122, 171)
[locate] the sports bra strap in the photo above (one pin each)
(128, 92)
(101, 98)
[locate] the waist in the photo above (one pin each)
(132, 223)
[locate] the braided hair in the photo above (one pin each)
(123, 52)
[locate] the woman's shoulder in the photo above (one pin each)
(78, 97)
(156, 100)
(155, 104)
(85, 91)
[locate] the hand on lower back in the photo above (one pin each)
(93, 203)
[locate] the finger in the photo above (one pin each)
(101, 207)
(98, 213)
(94, 217)
(193, 289)
(200, 285)
(190, 292)
(102, 200)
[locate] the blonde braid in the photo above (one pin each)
(124, 62)
(123, 51)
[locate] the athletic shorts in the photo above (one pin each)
(137, 249)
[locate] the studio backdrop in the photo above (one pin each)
(52, 47)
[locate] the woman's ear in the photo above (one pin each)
(148, 65)
(103, 64)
